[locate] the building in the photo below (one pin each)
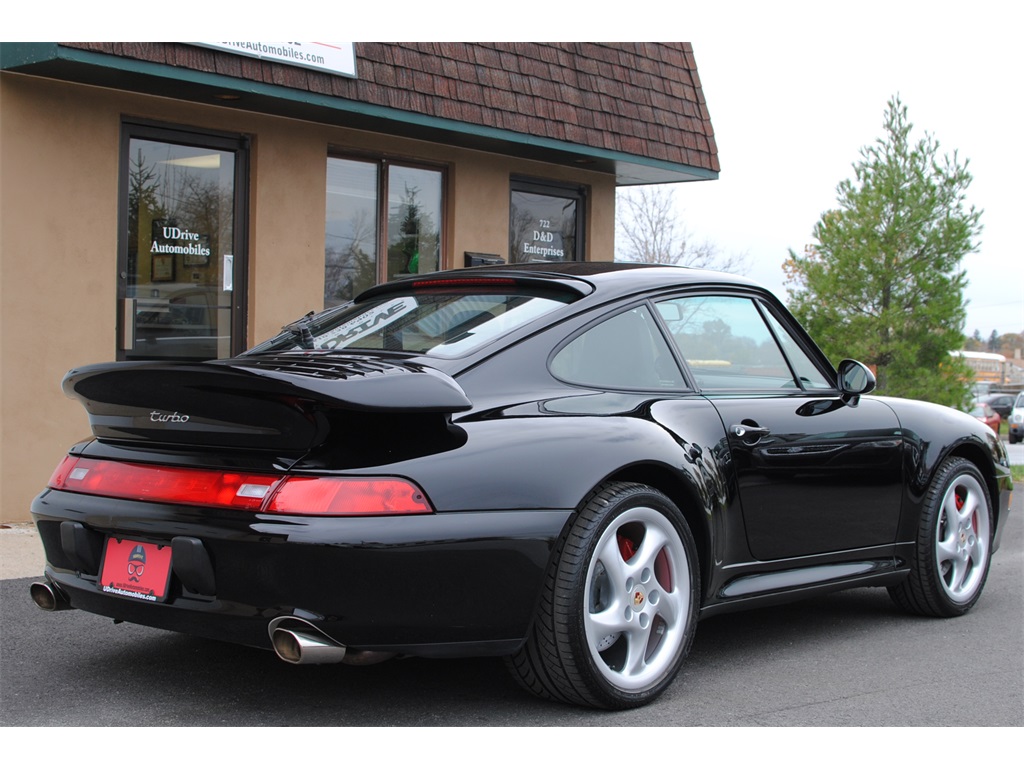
(987, 367)
(993, 371)
(184, 201)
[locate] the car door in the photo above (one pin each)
(814, 474)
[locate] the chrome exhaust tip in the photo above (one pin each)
(300, 647)
(297, 641)
(48, 597)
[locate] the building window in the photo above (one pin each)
(383, 221)
(545, 222)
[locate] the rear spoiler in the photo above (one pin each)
(281, 401)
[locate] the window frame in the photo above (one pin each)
(383, 164)
(767, 313)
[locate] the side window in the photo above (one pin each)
(624, 352)
(726, 343)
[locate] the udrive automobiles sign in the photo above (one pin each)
(336, 58)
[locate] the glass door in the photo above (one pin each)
(182, 257)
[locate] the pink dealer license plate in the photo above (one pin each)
(136, 569)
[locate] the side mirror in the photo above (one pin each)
(855, 379)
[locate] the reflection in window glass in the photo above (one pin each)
(810, 376)
(354, 258)
(414, 211)
(350, 258)
(726, 343)
(180, 239)
(437, 323)
(544, 227)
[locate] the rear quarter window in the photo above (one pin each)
(626, 351)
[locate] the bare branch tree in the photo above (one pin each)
(649, 230)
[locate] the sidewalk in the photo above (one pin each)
(21, 553)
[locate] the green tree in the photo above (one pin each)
(883, 282)
(974, 342)
(415, 240)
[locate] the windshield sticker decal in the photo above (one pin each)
(365, 324)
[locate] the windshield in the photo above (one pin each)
(444, 323)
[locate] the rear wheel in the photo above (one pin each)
(620, 603)
(951, 561)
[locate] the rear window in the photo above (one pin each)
(441, 322)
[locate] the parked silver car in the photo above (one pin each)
(1017, 419)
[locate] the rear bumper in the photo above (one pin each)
(447, 584)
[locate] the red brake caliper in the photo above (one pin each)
(627, 547)
(960, 501)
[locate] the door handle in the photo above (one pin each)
(749, 433)
(228, 277)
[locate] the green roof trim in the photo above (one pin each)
(77, 65)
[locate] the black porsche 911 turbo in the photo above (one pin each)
(564, 464)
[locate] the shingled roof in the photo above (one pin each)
(636, 109)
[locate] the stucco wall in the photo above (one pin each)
(59, 161)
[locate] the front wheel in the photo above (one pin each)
(951, 560)
(620, 602)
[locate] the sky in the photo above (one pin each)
(793, 101)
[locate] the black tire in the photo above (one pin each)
(617, 647)
(954, 544)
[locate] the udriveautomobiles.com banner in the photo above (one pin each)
(336, 58)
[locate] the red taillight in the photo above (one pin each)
(297, 495)
(174, 485)
(349, 496)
